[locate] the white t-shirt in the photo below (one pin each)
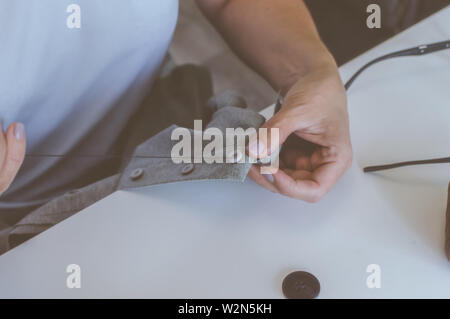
(61, 81)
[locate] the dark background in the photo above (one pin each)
(345, 32)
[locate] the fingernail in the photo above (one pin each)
(269, 177)
(256, 148)
(19, 131)
(1, 125)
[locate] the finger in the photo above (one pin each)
(15, 154)
(290, 156)
(299, 174)
(303, 189)
(310, 188)
(271, 136)
(260, 179)
(303, 163)
(296, 159)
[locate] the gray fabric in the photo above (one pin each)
(161, 169)
(165, 105)
(61, 208)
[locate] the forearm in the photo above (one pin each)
(276, 38)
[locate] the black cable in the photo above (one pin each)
(402, 164)
(416, 51)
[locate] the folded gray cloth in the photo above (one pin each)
(150, 162)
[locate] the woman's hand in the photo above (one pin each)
(12, 153)
(280, 41)
(314, 128)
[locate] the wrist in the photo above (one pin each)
(320, 61)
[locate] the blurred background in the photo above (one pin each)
(341, 24)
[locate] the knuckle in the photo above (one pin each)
(272, 124)
(280, 121)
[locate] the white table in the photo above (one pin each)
(224, 239)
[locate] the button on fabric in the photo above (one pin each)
(136, 174)
(300, 285)
(187, 169)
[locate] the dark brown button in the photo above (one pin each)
(301, 285)
(136, 174)
(187, 169)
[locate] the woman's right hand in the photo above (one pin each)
(12, 153)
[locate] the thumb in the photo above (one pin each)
(271, 136)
